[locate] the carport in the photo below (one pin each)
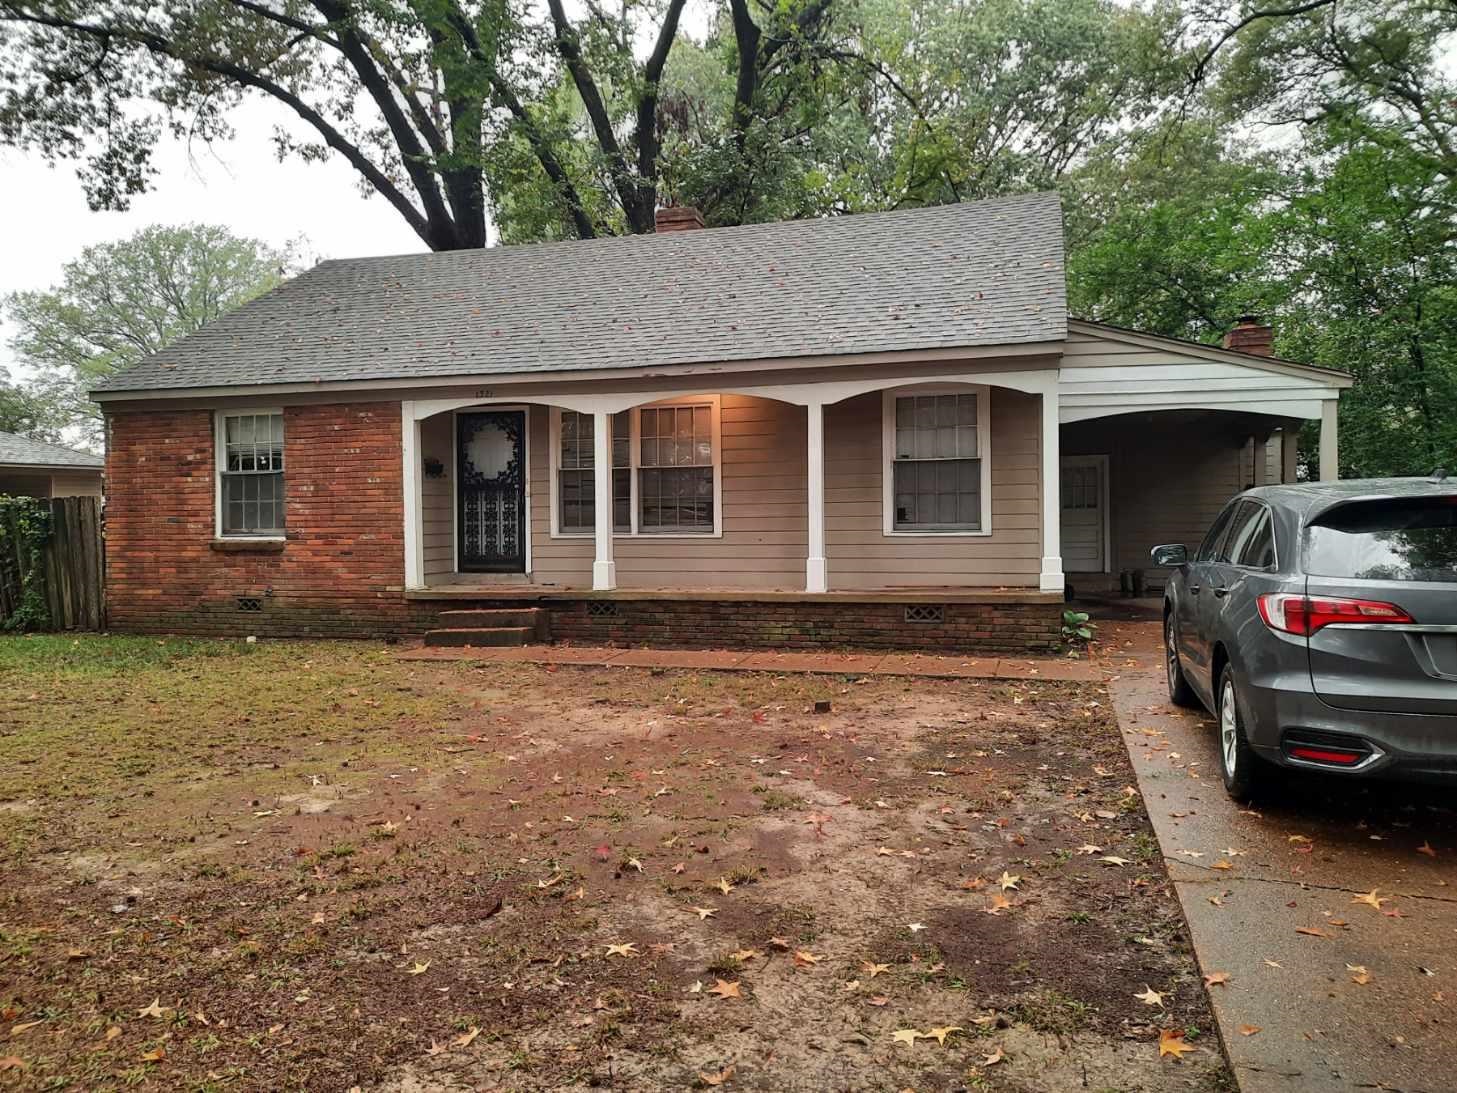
(1157, 434)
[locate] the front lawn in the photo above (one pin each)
(317, 866)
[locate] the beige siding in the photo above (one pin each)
(765, 513)
(765, 526)
(1169, 475)
(860, 554)
(76, 484)
(437, 509)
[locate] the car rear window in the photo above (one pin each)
(1412, 539)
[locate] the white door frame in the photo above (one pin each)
(1103, 511)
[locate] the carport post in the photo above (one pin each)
(604, 569)
(1330, 468)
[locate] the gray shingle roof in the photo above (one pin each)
(18, 450)
(981, 273)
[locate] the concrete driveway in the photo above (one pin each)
(1325, 920)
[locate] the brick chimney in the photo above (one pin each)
(678, 218)
(1250, 336)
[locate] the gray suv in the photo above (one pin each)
(1318, 622)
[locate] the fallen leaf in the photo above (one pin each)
(1110, 860)
(998, 904)
(1248, 1030)
(1008, 882)
(1426, 848)
(465, 1039)
(994, 1058)
(154, 1010)
(704, 912)
(1311, 931)
(1221, 864)
(1171, 1042)
(906, 1036)
(628, 949)
(805, 959)
(1359, 974)
(16, 1030)
(1370, 899)
(1150, 997)
(156, 1055)
(915, 927)
(717, 1077)
(873, 968)
(1216, 979)
(940, 1034)
(724, 886)
(746, 954)
(725, 989)
(11, 1062)
(418, 968)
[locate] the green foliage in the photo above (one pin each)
(1076, 629)
(27, 410)
(119, 302)
(25, 528)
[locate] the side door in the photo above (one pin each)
(1190, 605)
(1227, 604)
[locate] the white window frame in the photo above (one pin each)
(634, 462)
(220, 456)
(983, 453)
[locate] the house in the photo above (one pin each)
(33, 468)
(879, 430)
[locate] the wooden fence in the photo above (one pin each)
(71, 570)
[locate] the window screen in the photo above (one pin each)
(936, 473)
(251, 472)
(675, 469)
(576, 492)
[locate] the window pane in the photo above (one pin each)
(937, 494)
(677, 499)
(935, 427)
(622, 439)
(622, 500)
(575, 492)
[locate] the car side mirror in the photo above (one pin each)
(1170, 554)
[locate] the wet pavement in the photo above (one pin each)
(1314, 988)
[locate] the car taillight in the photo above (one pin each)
(1304, 615)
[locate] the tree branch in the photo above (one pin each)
(567, 46)
(1201, 67)
(155, 43)
(648, 145)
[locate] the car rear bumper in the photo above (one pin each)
(1415, 746)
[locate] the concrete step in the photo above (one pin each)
(491, 617)
(481, 636)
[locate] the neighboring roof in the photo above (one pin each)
(1313, 499)
(21, 451)
(1336, 376)
(976, 274)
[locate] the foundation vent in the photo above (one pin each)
(602, 609)
(250, 603)
(925, 612)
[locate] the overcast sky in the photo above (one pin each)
(44, 220)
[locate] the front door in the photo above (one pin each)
(491, 491)
(1084, 514)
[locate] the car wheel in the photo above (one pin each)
(1243, 771)
(1180, 693)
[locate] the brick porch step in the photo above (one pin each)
(480, 636)
(490, 626)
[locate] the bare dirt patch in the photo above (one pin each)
(411, 876)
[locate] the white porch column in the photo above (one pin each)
(816, 574)
(1330, 468)
(411, 478)
(1051, 579)
(604, 569)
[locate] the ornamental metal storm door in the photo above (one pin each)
(491, 491)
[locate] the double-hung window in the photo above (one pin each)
(675, 469)
(664, 470)
(937, 477)
(250, 474)
(576, 489)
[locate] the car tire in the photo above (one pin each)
(1244, 772)
(1180, 693)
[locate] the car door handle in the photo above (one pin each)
(1220, 593)
(1193, 590)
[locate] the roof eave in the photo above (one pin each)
(1336, 377)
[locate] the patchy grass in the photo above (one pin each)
(330, 867)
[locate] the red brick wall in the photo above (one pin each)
(345, 541)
